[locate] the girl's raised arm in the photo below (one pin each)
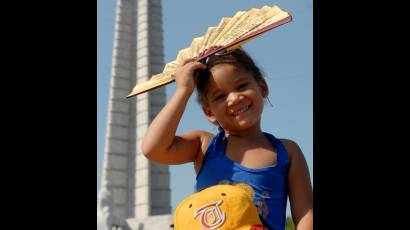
(160, 143)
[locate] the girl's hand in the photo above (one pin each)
(184, 75)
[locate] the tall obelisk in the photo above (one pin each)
(134, 188)
(152, 184)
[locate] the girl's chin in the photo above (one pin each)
(243, 125)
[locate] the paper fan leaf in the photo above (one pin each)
(234, 20)
(230, 33)
(170, 67)
(194, 48)
(183, 54)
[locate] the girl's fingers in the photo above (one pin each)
(194, 66)
(187, 60)
(199, 65)
(191, 65)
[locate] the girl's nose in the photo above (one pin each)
(233, 98)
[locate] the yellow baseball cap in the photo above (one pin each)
(222, 207)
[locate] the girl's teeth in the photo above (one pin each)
(241, 111)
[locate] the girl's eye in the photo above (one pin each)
(219, 97)
(241, 86)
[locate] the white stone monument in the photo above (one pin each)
(135, 193)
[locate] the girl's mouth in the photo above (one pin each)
(241, 110)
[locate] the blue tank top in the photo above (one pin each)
(269, 183)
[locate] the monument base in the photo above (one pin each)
(158, 222)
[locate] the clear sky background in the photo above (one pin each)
(285, 55)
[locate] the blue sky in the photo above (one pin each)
(285, 55)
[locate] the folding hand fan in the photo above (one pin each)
(231, 33)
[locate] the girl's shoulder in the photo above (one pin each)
(292, 148)
(202, 136)
(295, 154)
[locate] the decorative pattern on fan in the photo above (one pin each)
(230, 34)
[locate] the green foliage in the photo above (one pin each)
(289, 224)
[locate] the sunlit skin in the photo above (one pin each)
(235, 100)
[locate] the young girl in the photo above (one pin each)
(231, 91)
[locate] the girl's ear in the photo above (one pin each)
(264, 87)
(209, 115)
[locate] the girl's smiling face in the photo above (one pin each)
(234, 98)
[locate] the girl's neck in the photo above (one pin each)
(252, 133)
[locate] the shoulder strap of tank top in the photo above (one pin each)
(214, 146)
(282, 153)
